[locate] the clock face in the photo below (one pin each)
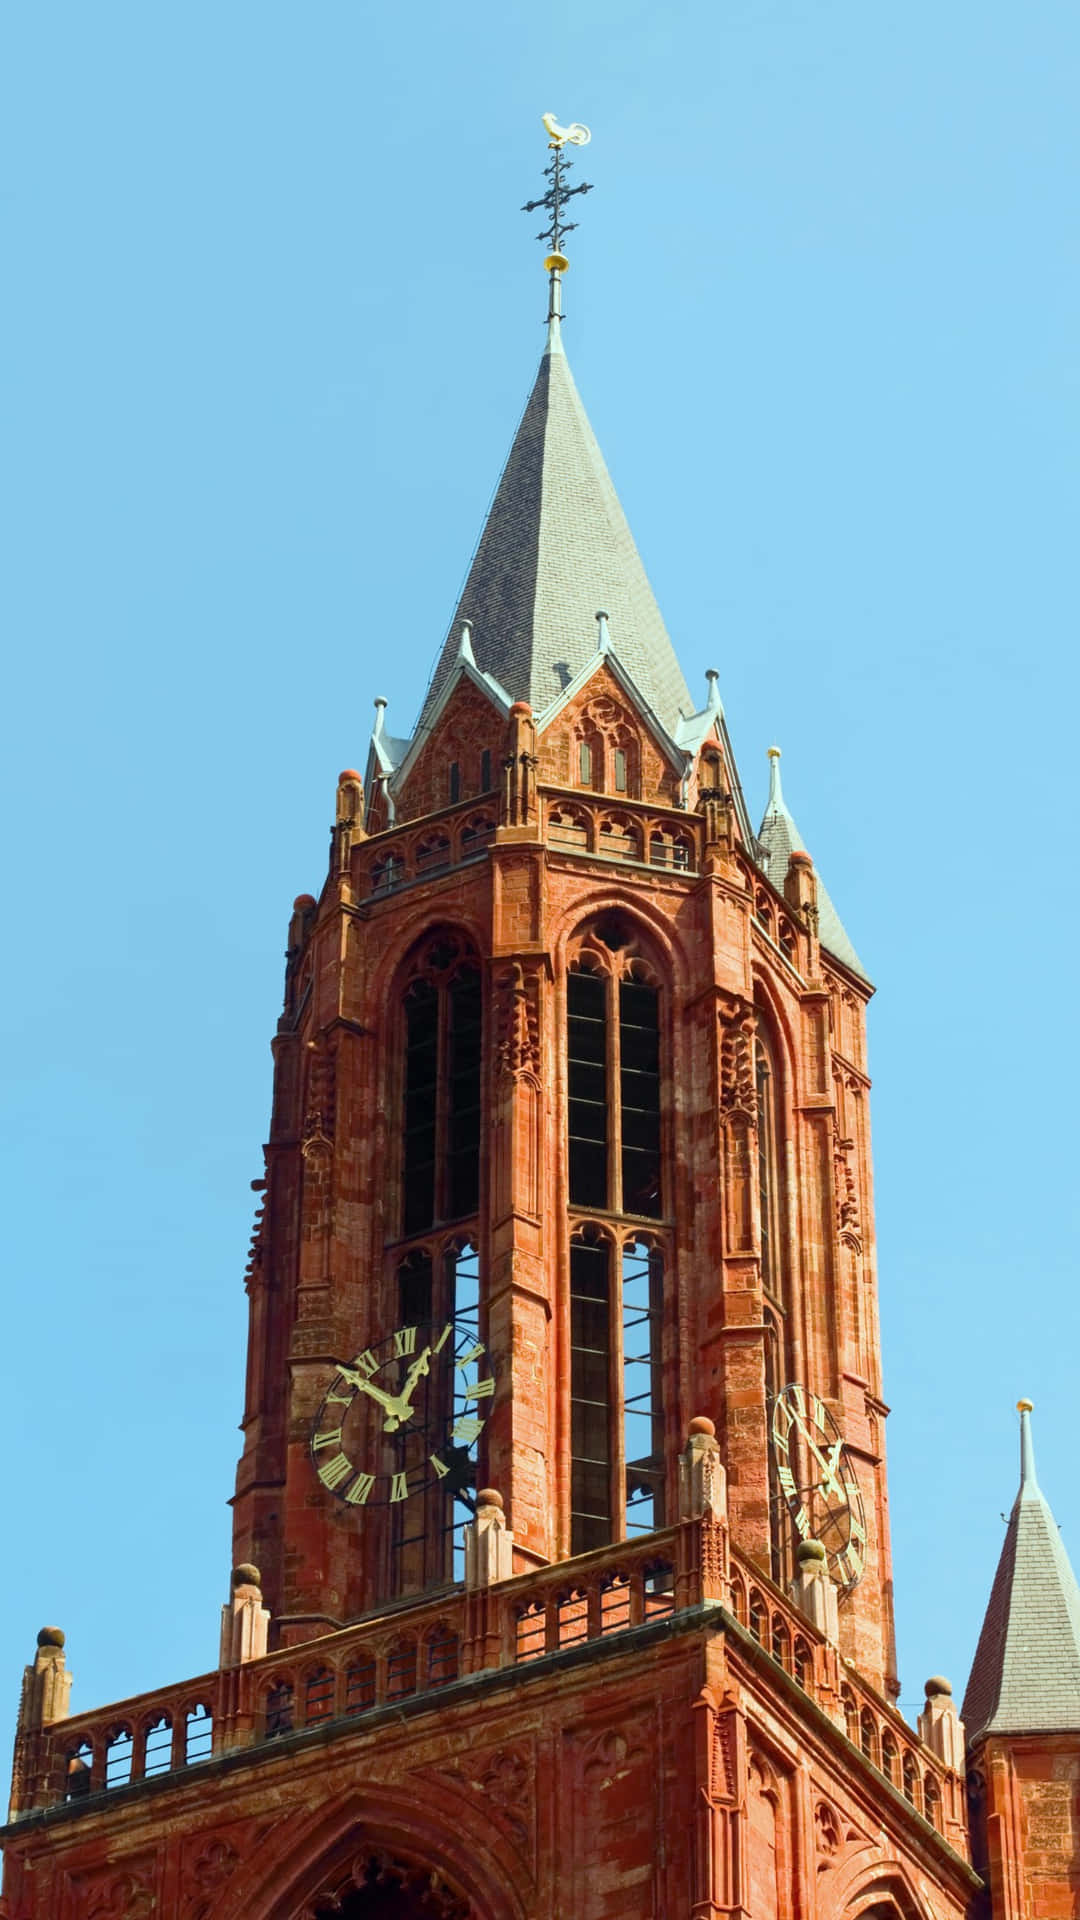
(404, 1415)
(818, 1481)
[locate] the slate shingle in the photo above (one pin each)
(555, 551)
(1025, 1677)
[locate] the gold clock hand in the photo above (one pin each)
(830, 1482)
(420, 1365)
(388, 1400)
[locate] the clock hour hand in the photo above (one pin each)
(388, 1400)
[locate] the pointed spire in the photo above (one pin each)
(1025, 1677)
(713, 702)
(780, 838)
(465, 651)
(554, 548)
(603, 636)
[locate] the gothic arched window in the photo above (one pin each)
(616, 1276)
(769, 1198)
(768, 1168)
(616, 1411)
(613, 1063)
(441, 1119)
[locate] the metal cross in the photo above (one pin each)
(555, 173)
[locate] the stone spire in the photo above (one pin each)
(555, 547)
(779, 838)
(1025, 1677)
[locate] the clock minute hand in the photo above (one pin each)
(420, 1365)
(830, 1481)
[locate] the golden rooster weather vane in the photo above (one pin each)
(554, 200)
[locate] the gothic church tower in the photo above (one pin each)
(562, 1574)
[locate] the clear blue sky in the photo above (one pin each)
(271, 313)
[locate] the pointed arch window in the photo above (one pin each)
(768, 1166)
(778, 1363)
(613, 1074)
(616, 1414)
(442, 1086)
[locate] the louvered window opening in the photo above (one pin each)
(427, 1533)
(616, 1413)
(613, 1042)
(441, 1157)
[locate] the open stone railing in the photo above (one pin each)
(413, 1652)
(576, 821)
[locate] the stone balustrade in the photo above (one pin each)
(410, 1653)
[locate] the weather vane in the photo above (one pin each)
(554, 200)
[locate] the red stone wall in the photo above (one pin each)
(728, 950)
(685, 1779)
(1026, 1824)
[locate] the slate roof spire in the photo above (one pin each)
(554, 548)
(779, 838)
(556, 545)
(1025, 1677)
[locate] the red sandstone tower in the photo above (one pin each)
(562, 1580)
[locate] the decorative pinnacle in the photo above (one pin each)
(553, 202)
(776, 791)
(1027, 1449)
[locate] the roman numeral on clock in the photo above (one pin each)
(333, 1472)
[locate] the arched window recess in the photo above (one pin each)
(613, 1070)
(443, 1014)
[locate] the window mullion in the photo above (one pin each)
(614, 1080)
(616, 1392)
(442, 1107)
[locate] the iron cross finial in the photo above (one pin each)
(554, 200)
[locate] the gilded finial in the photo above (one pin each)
(553, 202)
(1025, 1406)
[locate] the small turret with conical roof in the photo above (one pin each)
(1022, 1711)
(779, 838)
(1025, 1677)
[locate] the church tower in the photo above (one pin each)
(562, 1574)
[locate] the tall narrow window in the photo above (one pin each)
(485, 770)
(455, 782)
(643, 1427)
(639, 1067)
(613, 1041)
(427, 1532)
(586, 999)
(442, 1089)
(590, 1393)
(777, 1358)
(585, 764)
(767, 1170)
(421, 1081)
(463, 1104)
(620, 769)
